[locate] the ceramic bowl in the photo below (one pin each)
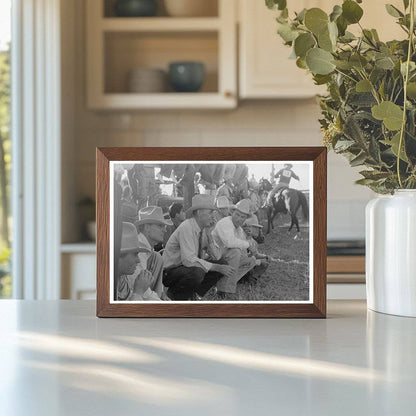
(186, 76)
(135, 8)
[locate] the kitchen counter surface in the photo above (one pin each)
(57, 358)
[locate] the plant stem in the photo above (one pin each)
(406, 79)
(345, 75)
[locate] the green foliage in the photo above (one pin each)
(369, 112)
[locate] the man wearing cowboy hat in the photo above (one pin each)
(251, 228)
(131, 287)
(188, 272)
(223, 208)
(229, 235)
(151, 226)
(284, 175)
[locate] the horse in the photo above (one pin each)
(287, 200)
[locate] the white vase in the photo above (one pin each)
(391, 253)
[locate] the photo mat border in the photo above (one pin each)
(314, 308)
(310, 184)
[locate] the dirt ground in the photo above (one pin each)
(288, 277)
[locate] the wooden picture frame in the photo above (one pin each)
(314, 308)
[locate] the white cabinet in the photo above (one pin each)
(118, 45)
(265, 70)
(78, 271)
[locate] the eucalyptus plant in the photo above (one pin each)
(369, 112)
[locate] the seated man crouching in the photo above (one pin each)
(251, 228)
(131, 285)
(151, 226)
(188, 274)
(229, 235)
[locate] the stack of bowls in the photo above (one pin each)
(147, 80)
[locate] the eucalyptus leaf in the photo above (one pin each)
(363, 86)
(321, 79)
(347, 37)
(364, 181)
(358, 160)
(351, 11)
(412, 67)
(342, 145)
(394, 145)
(276, 4)
(301, 63)
(325, 42)
(375, 35)
(391, 114)
(411, 90)
(374, 150)
(316, 20)
(319, 61)
(303, 43)
(393, 11)
(336, 12)
(343, 65)
(300, 17)
(286, 32)
(358, 61)
(342, 25)
(385, 63)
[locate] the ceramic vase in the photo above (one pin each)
(391, 253)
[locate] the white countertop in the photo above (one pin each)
(57, 358)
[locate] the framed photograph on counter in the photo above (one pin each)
(211, 232)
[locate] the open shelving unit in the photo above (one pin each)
(118, 45)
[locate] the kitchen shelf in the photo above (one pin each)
(159, 24)
(116, 46)
(166, 101)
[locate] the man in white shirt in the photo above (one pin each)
(229, 235)
(151, 226)
(188, 273)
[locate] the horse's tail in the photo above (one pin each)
(304, 204)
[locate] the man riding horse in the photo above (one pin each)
(284, 175)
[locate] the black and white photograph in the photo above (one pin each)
(208, 232)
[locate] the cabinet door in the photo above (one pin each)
(265, 68)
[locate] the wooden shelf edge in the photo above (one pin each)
(162, 101)
(159, 24)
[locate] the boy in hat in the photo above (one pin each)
(229, 235)
(151, 226)
(188, 272)
(131, 287)
(251, 228)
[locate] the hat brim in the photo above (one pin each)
(239, 210)
(228, 206)
(153, 221)
(134, 250)
(196, 207)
